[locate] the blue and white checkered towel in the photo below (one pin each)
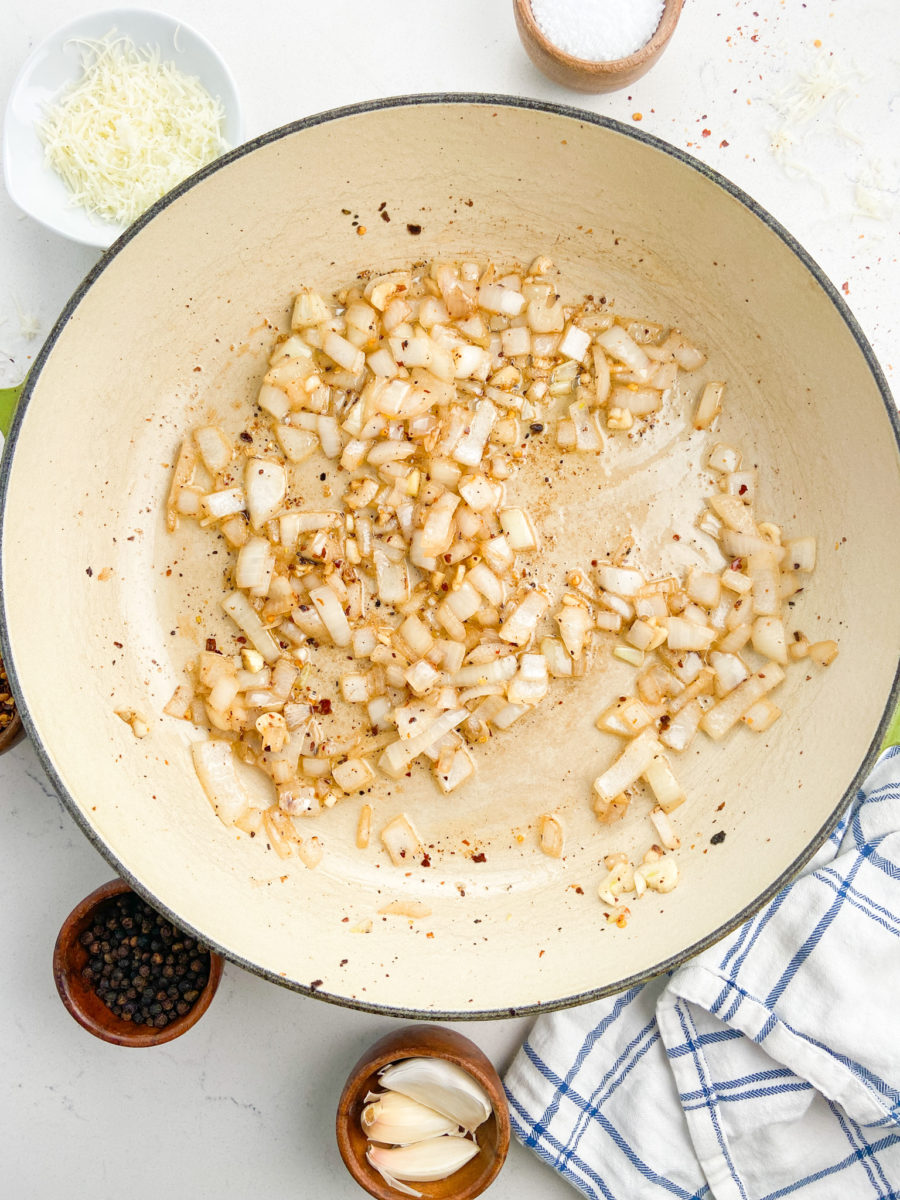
(768, 1066)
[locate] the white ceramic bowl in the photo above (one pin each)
(31, 183)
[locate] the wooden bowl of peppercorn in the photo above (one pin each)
(127, 974)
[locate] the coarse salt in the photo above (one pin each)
(598, 30)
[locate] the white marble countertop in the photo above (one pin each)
(799, 104)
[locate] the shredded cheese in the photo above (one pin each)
(823, 80)
(29, 322)
(821, 89)
(129, 130)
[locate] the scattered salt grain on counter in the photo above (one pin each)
(598, 30)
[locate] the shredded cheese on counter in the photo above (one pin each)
(129, 130)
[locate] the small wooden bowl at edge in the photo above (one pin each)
(419, 1041)
(69, 958)
(11, 734)
(582, 74)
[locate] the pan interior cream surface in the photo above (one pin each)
(103, 607)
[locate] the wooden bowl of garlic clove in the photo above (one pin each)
(417, 1042)
(586, 75)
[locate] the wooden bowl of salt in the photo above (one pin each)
(595, 45)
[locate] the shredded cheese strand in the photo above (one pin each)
(129, 130)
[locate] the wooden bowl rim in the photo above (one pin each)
(113, 1029)
(605, 67)
(12, 733)
(419, 1041)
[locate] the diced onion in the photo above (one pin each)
(224, 503)
(401, 841)
(265, 486)
(709, 406)
(421, 391)
(332, 614)
(616, 342)
(769, 640)
(214, 764)
(253, 569)
(665, 787)
(621, 581)
(719, 719)
(247, 619)
(520, 625)
(628, 767)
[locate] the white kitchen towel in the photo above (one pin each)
(766, 1067)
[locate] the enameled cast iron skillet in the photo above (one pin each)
(100, 605)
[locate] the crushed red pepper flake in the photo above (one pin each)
(7, 703)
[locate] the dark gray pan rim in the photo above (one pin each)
(490, 101)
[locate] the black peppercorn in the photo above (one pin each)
(144, 977)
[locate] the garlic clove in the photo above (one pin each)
(392, 1182)
(440, 1085)
(400, 1120)
(422, 1162)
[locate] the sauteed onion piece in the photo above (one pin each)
(423, 391)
